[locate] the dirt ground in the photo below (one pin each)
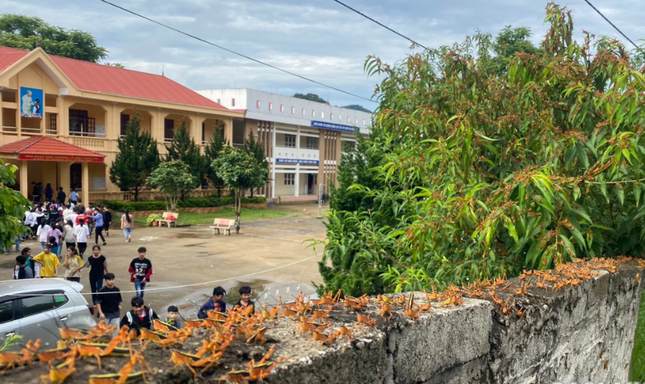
(269, 255)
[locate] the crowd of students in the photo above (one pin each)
(55, 225)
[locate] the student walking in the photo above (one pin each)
(21, 270)
(109, 301)
(71, 263)
(245, 300)
(68, 234)
(81, 233)
(98, 228)
(98, 268)
(60, 197)
(139, 317)
(140, 271)
(172, 317)
(107, 220)
(73, 197)
(48, 261)
(127, 225)
(43, 233)
(26, 252)
(49, 193)
(215, 303)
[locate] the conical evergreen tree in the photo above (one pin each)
(138, 156)
(255, 149)
(213, 150)
(184, 149)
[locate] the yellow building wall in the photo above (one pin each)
(105, 109)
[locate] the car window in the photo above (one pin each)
(6, 311)
(37, 304)
(59, 300)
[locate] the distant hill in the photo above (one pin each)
(357, 107)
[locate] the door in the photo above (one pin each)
(8, 324)
(78, 122)
(42, 315)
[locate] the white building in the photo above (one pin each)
(303, 139)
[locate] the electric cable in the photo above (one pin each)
(234, 52)
(184, 285)
(612, 24)
(381, 24)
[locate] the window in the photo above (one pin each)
(53, 123)
(293, 110)
(290, 141)
(322, 115)
(233, 102)
(303, 112)
(219, 101)
(281, 108)
(80, 124)
(6, 311)
(125, 119)
(312, 143)
(331, 116)
(289, 179)
(37, 304)
(168, 129)
(313, 113)
(270, 106)
(257, 104)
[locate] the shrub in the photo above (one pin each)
(191, 202)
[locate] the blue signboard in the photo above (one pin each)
(31, 102)
(332, 126)
(297, 161)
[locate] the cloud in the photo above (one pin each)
(318, 39)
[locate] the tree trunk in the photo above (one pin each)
(238, 210)
(136, 194)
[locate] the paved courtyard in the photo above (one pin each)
(270, 255)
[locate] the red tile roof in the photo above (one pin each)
(99, 78)
(49, 149)
(8, 56)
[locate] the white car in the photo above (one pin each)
(37, 308)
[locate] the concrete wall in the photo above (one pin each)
(578, 334)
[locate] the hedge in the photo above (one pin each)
(191, 202)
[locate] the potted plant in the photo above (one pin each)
(152, 218)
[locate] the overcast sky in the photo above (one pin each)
(318, 39)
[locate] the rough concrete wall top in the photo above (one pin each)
(573, 325)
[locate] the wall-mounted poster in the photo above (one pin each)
(31, 102)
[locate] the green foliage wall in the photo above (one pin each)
(474, 172)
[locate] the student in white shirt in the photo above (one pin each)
(43, 234)
(81, 232)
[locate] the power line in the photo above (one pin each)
(234, 52)
(612, 24)
(381, 24)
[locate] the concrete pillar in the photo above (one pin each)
(321, 158)
(273, 161)
(63, 117)
(228, 130)
(297, 181)
(85, 181)
(24, 178)
(64, 176)
(18, 118)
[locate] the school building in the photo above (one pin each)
(303, 140)
(61, 118)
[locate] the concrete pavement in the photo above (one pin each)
(188, 262)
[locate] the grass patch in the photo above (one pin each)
(248, 214)
(638, 357)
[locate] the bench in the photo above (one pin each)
(225, 224)
(169, 218)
